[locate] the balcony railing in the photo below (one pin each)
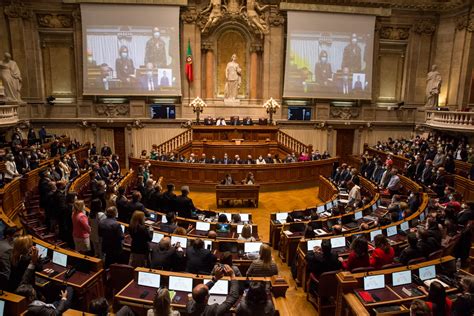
(450, 119)
(8, 114)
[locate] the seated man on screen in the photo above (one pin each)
(124, 66)
(149, 80)
(105, 75)
(165, 81)
(358, 84)
(322, 70)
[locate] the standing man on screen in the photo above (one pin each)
(345, 81)
(322, 69)
(165, 81)
(124, 66)
(155, 51)
(352, 57)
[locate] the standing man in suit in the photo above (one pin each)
(106, 150)
(200, 260)
(184, 204)
(168, 199)
(427, 174)
(352, 57)
(112, 237)
(165, 81)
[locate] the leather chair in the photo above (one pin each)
(416, 260)
(322, 292)
(118, 276)
(435, 254)
(362, 269)
(391, 265)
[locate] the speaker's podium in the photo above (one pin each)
(237, 192)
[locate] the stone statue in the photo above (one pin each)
(233, 79)
(215, 9)
(433, 87)
(11, 78)
(254, 18)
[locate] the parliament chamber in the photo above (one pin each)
(257, 157)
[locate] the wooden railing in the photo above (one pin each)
(8, 114)
(176, 142)
(293, 144)
(450, 119)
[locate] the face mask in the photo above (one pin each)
(354, 41)
(124, 55)
(89, 59)
(156, 35)
(149, 73)
(324, 59)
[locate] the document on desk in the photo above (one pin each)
(288, 233)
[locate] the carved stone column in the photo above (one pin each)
(254, 71)
(207, 47)
(192, 33)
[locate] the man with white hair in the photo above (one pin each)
(184, 205)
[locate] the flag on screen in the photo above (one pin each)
(189, 63)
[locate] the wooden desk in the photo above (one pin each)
(230, 132)
(14, 304)
(267, 176)
(237, 192)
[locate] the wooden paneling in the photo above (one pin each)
(344, 143)
(228, 133)
(218, 149)
(265, 175)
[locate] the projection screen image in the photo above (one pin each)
(131, 50)
(329, 55)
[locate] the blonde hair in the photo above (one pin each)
(138, 218)
(21, 247)
(266, 255)
(246, 231)
(79, 205)
(162, 302)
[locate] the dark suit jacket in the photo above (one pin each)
(168, 201)
(199, 260)
(184, 206)
(112, 236)
(409, 253)
(166, 259)
(318, 264)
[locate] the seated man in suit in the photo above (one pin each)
(248, 121)
(200, 260)
(234, 120)
(226, 160)
(183, 204)
(167, 257)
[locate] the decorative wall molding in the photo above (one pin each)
(275, 18)
(466, 21)
(394, 33)
(425, 26)
(54, 20)
(112, 110)
(344, 113)
(207, 45)
(18, 10)
(190, 15)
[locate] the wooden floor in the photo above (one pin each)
(289, 199)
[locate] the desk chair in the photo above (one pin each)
(391, 265)
(416, 261)
(322, 292)
(118, 276)
(435, 254)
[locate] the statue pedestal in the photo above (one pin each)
(231, 102)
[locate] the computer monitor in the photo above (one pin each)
(123, 228)
(320, 209)
(42, 251)
(183, 241)
(2, 308)
(208, 244)
(164, 220)
(252, 247)
(59, 259)
(328, 205)
(239, 228)
(244, 217)
(180, 284)
(203, 226)
(374, 207)
(149, 279)
(405, 226)
(163, 111)
(358, 215)
(152, 216)
(391, 231)
(338, 242)
(427, 273)
(373, 282)
(313, 243)
(401, 278)
(281, 216)
(297, 113)
(157, 237)
(221, 287)
(378, 202)
(422, 217)
(223, 228)
(375, 233)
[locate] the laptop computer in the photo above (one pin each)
(281, 217)
(428, 275)
(218, 293)
(222, 230)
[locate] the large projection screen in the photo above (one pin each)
(131, 50)
(329, 55)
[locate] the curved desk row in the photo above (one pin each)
(267, 176)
